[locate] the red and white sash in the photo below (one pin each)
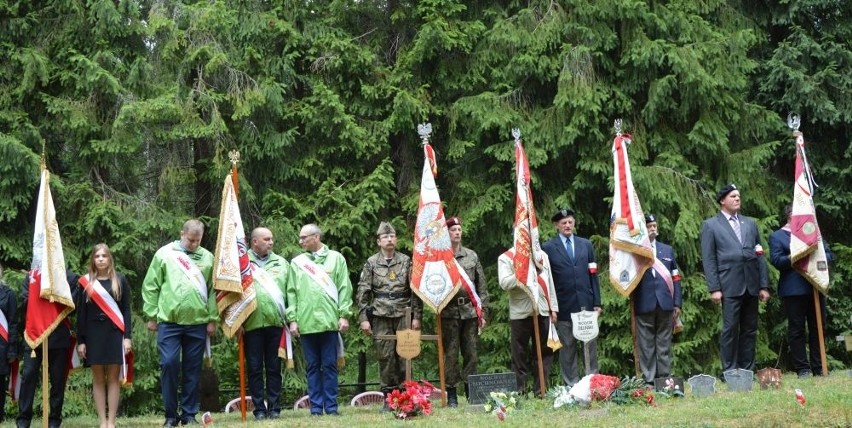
(267, 284)
(192, 272)
(664, 273)
(98, 294)
(4, 326)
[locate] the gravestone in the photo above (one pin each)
(702, 385)
(739, 379)
(769, 378)
(482, 385)
(669, 384)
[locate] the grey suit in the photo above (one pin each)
(737, 270)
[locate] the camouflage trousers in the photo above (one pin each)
(391, 365)
(459, 335)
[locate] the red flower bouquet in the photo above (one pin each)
(412, 401)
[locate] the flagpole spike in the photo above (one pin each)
(617, 126)
(424, 129)
(234, 156)
(43, 160)
(794, 121)
(516, 134)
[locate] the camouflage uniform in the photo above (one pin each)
(384, 289)
(460, 330)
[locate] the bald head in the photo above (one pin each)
(261, 241)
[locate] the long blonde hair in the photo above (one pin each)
(93, 271)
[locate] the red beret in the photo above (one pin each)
(453, 221)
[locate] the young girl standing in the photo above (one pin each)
(103, 330)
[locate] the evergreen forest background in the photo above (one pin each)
(138, 103)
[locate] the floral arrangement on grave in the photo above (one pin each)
(600, 388)
(671, 390)
(501, 403)
(412, 401)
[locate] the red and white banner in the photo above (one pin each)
(232, 277)
(807, 250)
(50, 299)
(630, 250)
(436, 275)
(528, 258)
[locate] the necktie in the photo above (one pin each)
(735, 223)
(570, 249)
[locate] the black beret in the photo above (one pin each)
(650, 218)
(564, 212)
(724, 192)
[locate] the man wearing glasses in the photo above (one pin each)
(383, 295)
(319, 300)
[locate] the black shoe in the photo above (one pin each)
(170, 423)
(22, 423)
(333, 413)
(804, 373)
(188, 421)
(259, 416)
(452, 398)
(273, 415)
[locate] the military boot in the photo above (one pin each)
(452, 397)
(385, 406)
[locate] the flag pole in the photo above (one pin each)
(537, 332)
(235, 178)
(441, 360)
(635, 337)
(818, 309)
(45, 385)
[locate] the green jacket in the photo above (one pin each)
(266, 314)
(168, 295)
(459, 305)
(307, 302)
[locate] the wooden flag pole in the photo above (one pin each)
(537, 332)
(45, 384)
(441, 360)
(635, 337)
(822, 355)
(235, 178)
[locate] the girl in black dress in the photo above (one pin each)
(105, 319)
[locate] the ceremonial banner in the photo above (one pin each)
(529, 261)
(807, 250)
(232, 277)
(50, 298)
(436, 275)
(630, 250)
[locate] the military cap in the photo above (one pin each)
(385, 228)
(724, 192)
(562, 213)
(453, 221)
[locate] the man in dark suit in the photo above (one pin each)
(736, 277)
(657, 302)
(797, 298)
(575, 278)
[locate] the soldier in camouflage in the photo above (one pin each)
(460, 327)
(383, 294)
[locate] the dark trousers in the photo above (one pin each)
(321, 371)
(801, 310)
(524, 359)
(459, 335)
(654, 335)
(739, 332)
(262, 356)
(181, 353)
(57, 363)
(4, 380)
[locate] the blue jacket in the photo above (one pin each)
(575, 286)
(652, 290)
(791, 283)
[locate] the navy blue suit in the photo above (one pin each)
(797, 298)
(654, 305)
(576, 288)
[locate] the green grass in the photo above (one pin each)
(829, 404)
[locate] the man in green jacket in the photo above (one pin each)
(319, 302)
(264, 326)
(180, 305)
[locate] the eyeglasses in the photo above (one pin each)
(304, 237)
